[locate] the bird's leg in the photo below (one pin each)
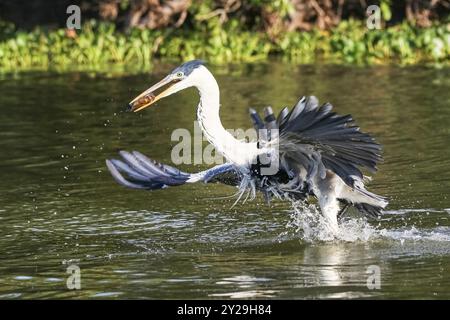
(329, 206)
(326, 191)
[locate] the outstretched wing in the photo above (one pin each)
(310, 131)
(311, 140)
(137, 171)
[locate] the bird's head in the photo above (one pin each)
(180, 78)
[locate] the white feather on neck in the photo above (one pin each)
(238, 152)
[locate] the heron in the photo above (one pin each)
(317, 153)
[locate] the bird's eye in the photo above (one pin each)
(180, 74)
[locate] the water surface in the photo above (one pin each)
(59, 206)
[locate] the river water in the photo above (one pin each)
(59, 207)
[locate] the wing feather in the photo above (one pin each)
(344, 149)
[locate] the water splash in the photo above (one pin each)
(438, 234)
(308, 224)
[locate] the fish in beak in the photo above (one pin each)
(149, 96)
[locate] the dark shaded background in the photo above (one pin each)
(257, 14)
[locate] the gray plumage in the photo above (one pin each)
(315, 146)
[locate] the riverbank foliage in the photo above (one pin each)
(222, 37)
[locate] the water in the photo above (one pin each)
(59, 206)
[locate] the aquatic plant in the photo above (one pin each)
(101, 45)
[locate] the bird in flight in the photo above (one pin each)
(306, 152)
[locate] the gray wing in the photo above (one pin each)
(311, 131)
(315, 139)
(137, 171)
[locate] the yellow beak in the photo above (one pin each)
(147, 98)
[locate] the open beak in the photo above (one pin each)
(148, 97)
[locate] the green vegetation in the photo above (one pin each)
(100, 45)
(351, 42)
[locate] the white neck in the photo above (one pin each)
(238, 152)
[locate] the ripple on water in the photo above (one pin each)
(106, 294)
(9, 296)
(23, 278)
(246, 294)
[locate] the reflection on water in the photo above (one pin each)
(58, 204)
